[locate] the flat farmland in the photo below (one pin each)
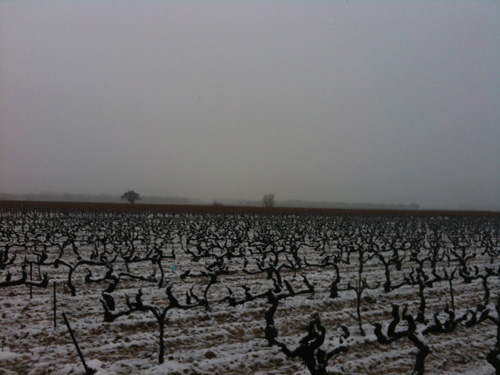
(204, 290)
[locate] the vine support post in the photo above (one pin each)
(31, 279)
(55, 306)
(450, 281)
(88, 370)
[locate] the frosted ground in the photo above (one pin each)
(218, 338)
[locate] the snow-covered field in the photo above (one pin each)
(218, 268)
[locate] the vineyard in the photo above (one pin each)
(149, 292)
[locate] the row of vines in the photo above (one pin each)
(321, 292)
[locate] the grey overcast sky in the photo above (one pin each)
(343, 101)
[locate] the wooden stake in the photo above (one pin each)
(55, 307)
(451, 294)
(88, 370)
(31, 279)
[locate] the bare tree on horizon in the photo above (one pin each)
(131, 196)
(268, 200)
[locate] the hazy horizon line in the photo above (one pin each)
(154, 199)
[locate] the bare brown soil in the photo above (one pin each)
(24, 206)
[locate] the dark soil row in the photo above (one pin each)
(24, 206)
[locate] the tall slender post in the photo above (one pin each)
(55, 306)
(88, 370)
(451, 293)
(31, 279)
